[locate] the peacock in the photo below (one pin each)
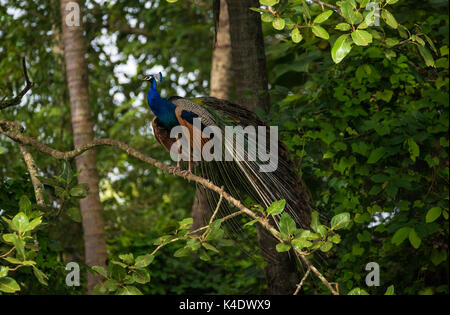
(240, 176)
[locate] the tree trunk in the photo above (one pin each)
(82, 125)
(220, 83)
(250, 77)
(249, 59)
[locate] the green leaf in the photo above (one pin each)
(278, 24)
(389, 18)
(341, 48)
(319, 31)
(430, 42)
(144, 260)
(385, 95)
(141, 276)
(100, 270)
(33, 224)
(413, 149)
(336, 238)
(322, 231)
(19, 245)
(375, 155)
(287, 224)
(433, 214)
(391, 42)
(390, 290)
(25, 205)
(400, 235)
(361, 38)
(13, 260)
(8, 285)
(437, 257)
(210, 247)
(269, 3)
(111, 285)
(282, 247)
(300, 243)
(129, 290)
(426, 55)
(414, 239)
(77, 191)
(343, 27)
(276, 207)
(186, 223)
(74, 214)
(42, 277)
(127, 258)
(267, 17)
(323, 16)
(325, 247)
(250, 223)
(358, 291)
(314, 220)
(8, 238)
(296, 36)
(340, 221)
(19, 222)
(3, 271)
(182, 252)
(204, 256)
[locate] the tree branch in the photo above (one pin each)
(32, 169)
(16, 100)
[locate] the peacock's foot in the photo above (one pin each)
(186, 172)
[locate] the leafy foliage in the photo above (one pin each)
(371, 139)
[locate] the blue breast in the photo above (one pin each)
(162, 108)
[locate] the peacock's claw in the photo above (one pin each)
(186, 172)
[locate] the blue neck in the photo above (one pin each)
(161, 107)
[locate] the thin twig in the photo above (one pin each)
(217, 208)
(16, 100)
(299, 286)
(7, 253)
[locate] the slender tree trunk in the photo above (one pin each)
(220, 83)
(249, 59)
(221, 62)
(250, 76)
(82, 125)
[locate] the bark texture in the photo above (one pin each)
(249, 59)
(250, 77)
(220, 84)
(82, 126)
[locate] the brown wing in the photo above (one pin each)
(162, 135)
(203, 138)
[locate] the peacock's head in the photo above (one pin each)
(153, 78)
(153, 96)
